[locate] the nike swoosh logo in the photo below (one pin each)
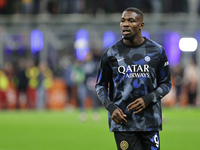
(120, 59)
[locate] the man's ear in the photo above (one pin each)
(141, 25)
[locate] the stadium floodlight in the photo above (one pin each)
(36, 40)
(81, 44)
(188, 44)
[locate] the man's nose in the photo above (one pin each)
(125, 24)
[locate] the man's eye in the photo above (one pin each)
(131, 20)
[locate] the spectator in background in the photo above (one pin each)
(53, 7)
(4, 83)
(36, 6)
(193, 7)
(3, 5)
(64, 6)
(156, 6)
(45, 81)
(199, 8)
(43, 7)
(6, 6)
(73, 76)
(146, 6)
(7, 82)
(177, 74)
(16, 7)
(32, 73)
(70, 86)
(87, 87)
(77, 77)
(27, 6)
(9, 71)
(22, 84)
(190, 78)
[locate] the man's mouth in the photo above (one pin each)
(126, 31)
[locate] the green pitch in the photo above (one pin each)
(62, 130)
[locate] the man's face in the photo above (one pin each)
(131, 24)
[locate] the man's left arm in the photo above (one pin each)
(164, 86)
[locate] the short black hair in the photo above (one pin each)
(136, 10)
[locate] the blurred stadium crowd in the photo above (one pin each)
(27, 85)
(37, 82)
(96, 6)
(31, 86)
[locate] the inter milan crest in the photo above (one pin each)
(147, 58)
(124, 145)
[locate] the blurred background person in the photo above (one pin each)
(190, 78)
(77, 77)
(53, 7)
(4, 83)
(45, 81)
(32, 74)
(27, 6)
(87, 88)
(10, 89)
(9, 71)
(177, 75)
(71, 88)
(22, 85)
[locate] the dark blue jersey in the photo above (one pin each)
(127, 73)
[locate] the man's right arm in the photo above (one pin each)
(104, 77)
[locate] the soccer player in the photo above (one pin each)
(133, 77)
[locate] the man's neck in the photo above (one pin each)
(134, 41)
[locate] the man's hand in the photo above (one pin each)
(138, 105)
(118, 116)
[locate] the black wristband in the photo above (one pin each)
(147, 99)
(111, 108)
